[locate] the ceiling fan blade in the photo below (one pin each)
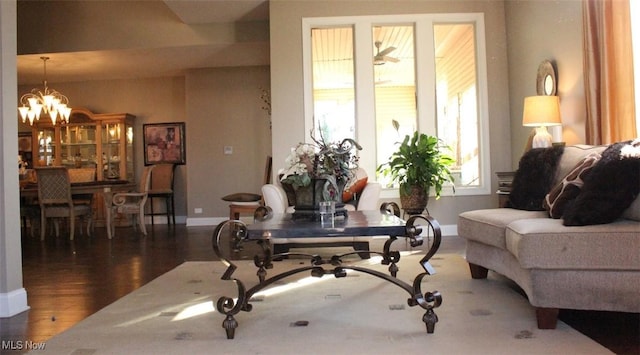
(387, 51)
(390, 59)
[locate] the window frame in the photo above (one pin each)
(425, 84)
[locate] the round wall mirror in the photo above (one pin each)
(546, 81)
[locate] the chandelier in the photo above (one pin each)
(49, 102)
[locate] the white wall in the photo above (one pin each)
(13, 296)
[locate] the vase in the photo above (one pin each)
(306, 199)
(415, 201)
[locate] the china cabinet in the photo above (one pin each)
(100, 143)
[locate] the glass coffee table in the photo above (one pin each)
(268, 226)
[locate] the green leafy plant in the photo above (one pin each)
(419, 162)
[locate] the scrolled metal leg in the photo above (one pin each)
(393, 269)
(230, 324)
(390, 208)
(428, 300)
(430, 319)
(226, 305)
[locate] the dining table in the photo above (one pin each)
(104, 189)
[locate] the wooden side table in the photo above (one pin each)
(505, 180)
(235, 209)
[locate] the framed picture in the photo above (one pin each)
(164, 143)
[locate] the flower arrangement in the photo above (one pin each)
(22, 165)
(320, 159)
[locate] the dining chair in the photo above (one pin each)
(130, 203)
(162, 187)
(56, 201)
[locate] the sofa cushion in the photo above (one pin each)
(572, 155)
(547, 244)
(609, 189)
(488, 226)
(534, 178)
(570, 186)
(633, 212)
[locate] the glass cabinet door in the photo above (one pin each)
(96, 146)
(111, 150)
(46, 147)
(129, 152)
(78, 146)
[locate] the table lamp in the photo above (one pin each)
(540, 112)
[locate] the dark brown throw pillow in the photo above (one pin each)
(609, 189)
(534, 178)
(570, 186)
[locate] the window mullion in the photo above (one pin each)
(425, 77)
(365, 111)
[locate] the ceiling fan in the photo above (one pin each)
(381, 56)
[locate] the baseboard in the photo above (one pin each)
(205, 221)
(13, 302)
(164, 220)
(449, 230)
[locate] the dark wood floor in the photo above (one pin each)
(68, 281)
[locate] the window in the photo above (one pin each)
(333, 83)
(456, 98)
(427, 72)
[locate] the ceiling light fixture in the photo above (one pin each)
(50, 102)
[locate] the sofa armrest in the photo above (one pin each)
(368, 199)
(275, 197)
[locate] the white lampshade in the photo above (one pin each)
(541, 111)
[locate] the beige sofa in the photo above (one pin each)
(590, 267)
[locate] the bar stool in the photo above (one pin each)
(162, 187)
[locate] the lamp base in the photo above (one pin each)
(542, 139)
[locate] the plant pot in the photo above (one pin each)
(307, 198)
(415, 201)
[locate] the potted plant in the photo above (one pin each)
(416, 166)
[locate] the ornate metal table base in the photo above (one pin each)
(427, 300)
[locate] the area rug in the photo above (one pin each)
(174, 314)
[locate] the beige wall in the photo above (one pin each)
(224, 109)
(150, 100)
(539, 30)
(287, 80)
(221, 106)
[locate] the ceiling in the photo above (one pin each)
(333, 51)
(160, 61)
(333, 56)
